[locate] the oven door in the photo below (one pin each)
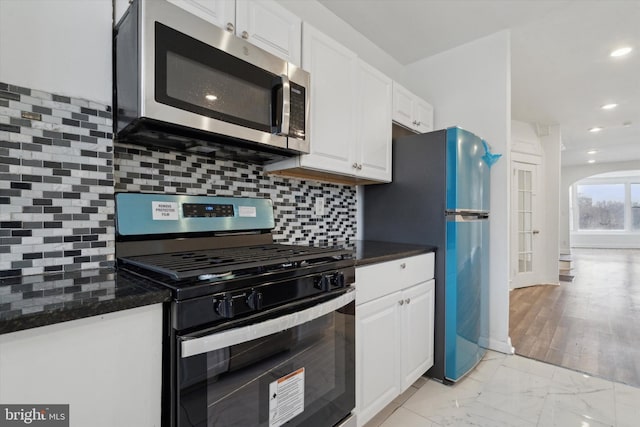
(295, 368)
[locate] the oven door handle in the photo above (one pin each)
(228, 338)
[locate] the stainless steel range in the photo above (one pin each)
(258, 333)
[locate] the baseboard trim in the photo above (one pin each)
(499, 346)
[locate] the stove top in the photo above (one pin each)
(211, 264)
(192, 274)
(201, 246)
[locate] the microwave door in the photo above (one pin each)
(208, 89)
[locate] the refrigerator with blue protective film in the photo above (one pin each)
(439, 196)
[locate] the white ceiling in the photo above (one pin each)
(561, 71)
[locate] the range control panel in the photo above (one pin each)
(139, 214)
(206, 210)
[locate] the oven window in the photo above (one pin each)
(196, 77)
(309, 368)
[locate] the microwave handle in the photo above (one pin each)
(286, 105)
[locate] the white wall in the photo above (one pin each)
(58, 46)
(64, 46)
(551, 147)
(571, 174)
(470, 86)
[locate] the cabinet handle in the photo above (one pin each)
(403, 265)
(354, 166)
(418, 123)
(245, 35)
(230, 27)
(360, 166)
(401, 302)
(408, 300)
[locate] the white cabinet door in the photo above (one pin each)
(271, 27)
(411, 111)
(221, 13)
(263, 23)
(417, 331)
(372, 152)
(377, 355)
(423, 114)
(402, 106)
(333, 92)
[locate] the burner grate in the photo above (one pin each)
(189, 264)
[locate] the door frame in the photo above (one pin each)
(518, 280)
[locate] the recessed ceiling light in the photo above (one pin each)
(211, 97)
(621, 52)
(591, 161)
(592, 151)
(609, 106)
(595, 129)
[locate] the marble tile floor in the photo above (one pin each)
(511, 390)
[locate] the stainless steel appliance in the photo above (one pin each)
(181, 82)
(440, 196)
(257, 334)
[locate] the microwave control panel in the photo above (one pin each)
(298, 109)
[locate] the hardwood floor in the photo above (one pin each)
(590, 325)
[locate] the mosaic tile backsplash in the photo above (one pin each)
(59, 167)
(56, 183)
(163, 171)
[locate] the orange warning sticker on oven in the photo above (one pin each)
(286, 398)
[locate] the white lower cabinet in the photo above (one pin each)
(107, 368)
(377, 355)
(394, 330)
(417, 332)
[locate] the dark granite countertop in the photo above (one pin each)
(373, 252)
(32, 301)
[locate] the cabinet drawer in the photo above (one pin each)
(374, 281)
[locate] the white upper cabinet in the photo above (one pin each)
(411, 111)
(221, 13)
(424, 116)
(350, 123)
(263, 23)
(333, 107)
(372, 151)
(271, 27)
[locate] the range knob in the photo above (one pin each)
(322, 282)
(254, 300)
(225, 308)
(337, 280)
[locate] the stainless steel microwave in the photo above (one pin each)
(180, 82)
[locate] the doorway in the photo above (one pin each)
(525, 222)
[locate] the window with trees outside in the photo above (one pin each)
(607, 202)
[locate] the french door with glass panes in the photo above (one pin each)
(524, 225)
